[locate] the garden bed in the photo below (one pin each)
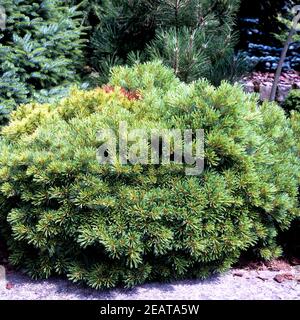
(262, 82)
(248, 280)
(237, 284)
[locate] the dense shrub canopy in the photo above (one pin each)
(40, 51)
(63, 212)
(292, 101)
(290, 238)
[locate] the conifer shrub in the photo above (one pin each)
(104, 225)
(40, 51)
(292, 101)
(291, 238)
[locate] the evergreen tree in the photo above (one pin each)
(91, 10)
(194, 37)
(40, 51)
(124, 26)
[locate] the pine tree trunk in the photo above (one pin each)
(284, 52)
(280, 65)
(176, 62)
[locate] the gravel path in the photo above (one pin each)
(234, 285)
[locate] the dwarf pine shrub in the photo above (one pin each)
(293, 234)
(64, 213)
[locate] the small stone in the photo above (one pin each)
(288, 276)
(295, 261)
(249, 87)
(262, 278)
(238, 274)
(265, 92)
(283, 91)
(279, 278)
(9, 286)
(297, 268)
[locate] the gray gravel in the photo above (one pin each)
(234, 285)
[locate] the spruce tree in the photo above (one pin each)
(40, 51)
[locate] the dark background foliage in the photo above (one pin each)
(258, 23)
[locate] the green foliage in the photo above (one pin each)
(291, 238)
(40, 51)
(124, 26)
(62, 212)
(292, 101)
(295, 120)
(285, 20)
(194, 37)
